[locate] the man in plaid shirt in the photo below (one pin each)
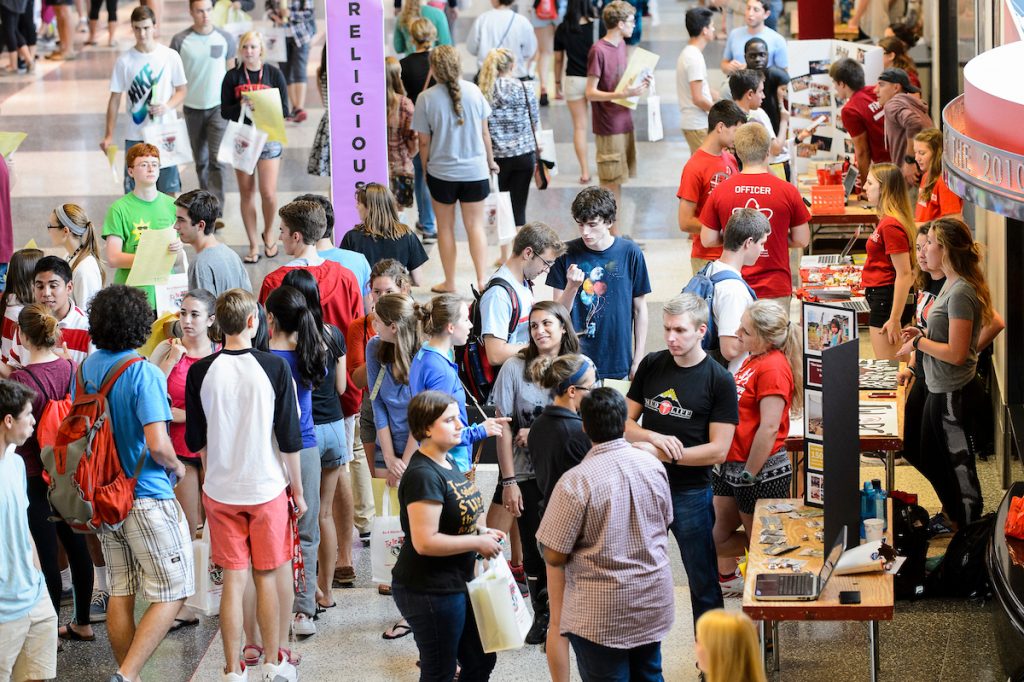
(297, 17)
(607, 524)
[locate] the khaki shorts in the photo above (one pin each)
(616, 158)
(575, 88)
(695, 138)
(28, 645)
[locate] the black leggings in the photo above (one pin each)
(948, 419)
(514, 176)
(913, 416)
(45, 534)
(19, 28)
(94, 10)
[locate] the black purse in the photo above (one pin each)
(402, 188)
(541, 168)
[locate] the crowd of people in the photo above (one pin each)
(347, 377)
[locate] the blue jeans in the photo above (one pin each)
(693, 519)
(422, 194)
(445, 632)
(600, 663)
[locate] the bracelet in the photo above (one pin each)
(917, 342)
(508, 482)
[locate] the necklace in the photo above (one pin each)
(71, 256)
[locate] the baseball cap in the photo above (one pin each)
(899, 77)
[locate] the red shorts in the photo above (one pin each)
(244, 533)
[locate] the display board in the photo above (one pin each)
(812, 96)
(841, 442)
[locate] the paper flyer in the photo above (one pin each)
(641, 64)
(112, 162)
(267, 114)
(153, 260)
(31, 244)
(9, 142)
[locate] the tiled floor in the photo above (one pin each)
(63, 113)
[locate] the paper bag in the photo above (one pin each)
(654, 128)
(241, 146)
(502, 618)
(386, 540)
(209, 578)
(169, 295)
(171, 138)
(274, 45)
(546, 142)
(500, 219)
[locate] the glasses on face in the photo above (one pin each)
(148, 164)
(54, 227)
(584, 388)
(548, 264)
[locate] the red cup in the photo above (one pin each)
(822, 176)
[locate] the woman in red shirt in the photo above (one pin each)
(757, 466)
(934, 199)
(888, 275)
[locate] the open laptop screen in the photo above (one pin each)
(832, 559)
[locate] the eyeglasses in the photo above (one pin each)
(584, 388)
(148, 164)
(548, 264)
(54, 227)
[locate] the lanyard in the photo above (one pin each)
(248, 81)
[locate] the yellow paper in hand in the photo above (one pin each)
(267, 114)
(620, 385)
(153, 262)
(31, 244)
(111, 161)
(9, 142)
(641, 64)
(219, 15)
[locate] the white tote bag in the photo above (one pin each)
(655, 131)
(500, 219)
(241, 145)
(546, 142)
(274, 44)
(502, 617)
(386, 540)
(170, 295)
(209, 578)
(171, 138)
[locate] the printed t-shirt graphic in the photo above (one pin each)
(667, 405)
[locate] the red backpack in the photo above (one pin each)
(546, 9)
(87, 485)
(475, 369)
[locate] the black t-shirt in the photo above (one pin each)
(407, 249)
(557, 443)
(326, 403)
(774, 78)
(682, 402)
(461, 505)
(576, 42)
(415, 68)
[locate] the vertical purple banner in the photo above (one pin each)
(356, 95)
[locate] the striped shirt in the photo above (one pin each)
(610, 514)
(74, 333)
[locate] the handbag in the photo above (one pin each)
(209, 577)
(171, 138)
(275, 50)
(502, 617)
(402, 188)
(655, 130)
(541, 168)
(498, 213)
(241, 145)
(169, 296)
(1014, 527)
(386, 540)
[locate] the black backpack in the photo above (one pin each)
(475, 370)
(910, 538)
(963, 572)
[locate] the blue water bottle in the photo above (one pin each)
(867, 505)
(879, 511)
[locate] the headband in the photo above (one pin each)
(67, 222)
(577, 375)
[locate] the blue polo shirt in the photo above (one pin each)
(432, 370)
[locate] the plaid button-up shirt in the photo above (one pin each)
(610, 514)
(300, 20)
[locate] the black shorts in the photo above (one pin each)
(880, 304)
(449, 192)
(194, 462)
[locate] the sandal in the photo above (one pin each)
(180, 623)
(267, 247)
(397, 631)
(384, 590)
(438, 289)
(66, 632)
(252, 259)
(247, 657)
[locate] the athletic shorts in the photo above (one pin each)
(616, 158)
(449, 192)
(240, 533)
(773, 481)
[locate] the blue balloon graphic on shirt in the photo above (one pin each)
(585, 298)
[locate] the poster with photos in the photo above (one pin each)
(812, 95)
(827, 326)
(814, 466)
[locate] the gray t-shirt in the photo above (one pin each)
(496, 310)
(457, 152)
(956, 301)
(217, 269)
(522, 400)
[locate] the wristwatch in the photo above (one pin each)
(917, 342)
(747, 477)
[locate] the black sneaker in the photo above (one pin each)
(543, 99)
(538, 633)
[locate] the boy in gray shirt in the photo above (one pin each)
(216, 268)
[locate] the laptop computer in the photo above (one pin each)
(841, 258)
(799, 586)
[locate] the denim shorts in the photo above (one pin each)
(298, 57)
(272, 150)
(333, 446)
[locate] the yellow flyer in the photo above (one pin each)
(9, 142)
(641, 65)
(153, 260)
(115, 172)
(815, 456)
(267, 114)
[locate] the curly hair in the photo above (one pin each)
(447, 67)
(497, 63)
(120, 318)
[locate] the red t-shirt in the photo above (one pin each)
(862, 113)
(888, 238)
(342, 302)
(701, 175)
(940, 202)
(760, 376)
(770, 276)
(608, 63)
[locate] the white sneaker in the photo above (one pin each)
(303, 626)
(282, 672)
(236, 677)
(733, 587)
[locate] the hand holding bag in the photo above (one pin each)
(502, 618)
(386, 540)
(274, 44)
(170, 295)
(241, 145)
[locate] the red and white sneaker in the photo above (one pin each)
(731, 586)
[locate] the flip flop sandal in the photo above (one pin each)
(65, 632)
(384, 590)
(398, 631)
(252, 259)
(438, 290)
(180, 623)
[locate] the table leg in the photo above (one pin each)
(775, 646)
(762, 633)
(890, 470)
(873, 648)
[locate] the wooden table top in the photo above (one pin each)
(853, 214)
(875, 588)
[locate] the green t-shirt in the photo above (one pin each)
(128, 217)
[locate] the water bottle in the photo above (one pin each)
(867, 505)
(879, 511)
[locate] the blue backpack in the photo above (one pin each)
(702, 284)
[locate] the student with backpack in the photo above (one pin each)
(153, 549)
(722, 286)
(49, 376)
(446, 324)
